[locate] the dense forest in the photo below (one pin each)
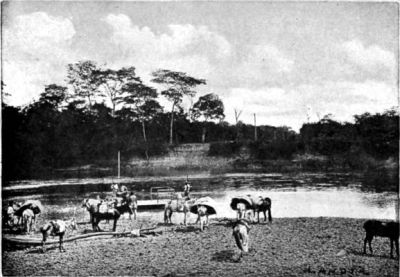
(103, 111)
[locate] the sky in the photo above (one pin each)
(287, 62)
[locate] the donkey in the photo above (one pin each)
(241, 235)
(382, 229)
(57, 228)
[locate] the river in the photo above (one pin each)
(298, 195)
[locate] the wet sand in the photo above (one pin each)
(286, 247)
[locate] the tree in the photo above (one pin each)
(178, 84)
(110, 83)
(143, 106)
(54, 95)
(208, 107)
(82, 77)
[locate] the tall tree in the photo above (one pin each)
(110, 83)
(208, 107)
(178, 84)
(82, 77)
(143, 104)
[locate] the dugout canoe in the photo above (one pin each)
(23, 241)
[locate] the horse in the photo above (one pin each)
(28, 220)
(56, 228)
(128, 197)
(241, 235)
(382, 229)
(115, 214)
(90, 205)
(261, 204)
(241, 210)
(180, 206)
(201, 214)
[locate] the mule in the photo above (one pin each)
(241, 235)
(382, 229)
(179, 206)
(57, 228)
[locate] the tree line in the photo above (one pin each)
(104, 110)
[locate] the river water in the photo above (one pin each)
(299, 195)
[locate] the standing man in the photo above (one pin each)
(186, 189)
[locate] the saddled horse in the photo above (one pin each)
(179, 206)
(56, 228)
(202, 216)
(241, 211)
(113, 213)
(128, 197)
(262, 204)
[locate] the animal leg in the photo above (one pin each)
(391, 248)
(245, 243)
(269, 215)
(369, 243)
(115, 224)
(44, 242)
(201, 225)
(61, 243)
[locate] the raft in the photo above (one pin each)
(31, 242)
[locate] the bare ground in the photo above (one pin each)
(287, 247)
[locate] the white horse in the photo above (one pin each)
(202, 216)
(242, 212)
(57, 228)
(28, 220)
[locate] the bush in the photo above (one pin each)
(224, 149)
(154, 148)
(280, 149)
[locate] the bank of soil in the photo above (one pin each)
(287, 247)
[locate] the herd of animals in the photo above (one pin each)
(247, 207)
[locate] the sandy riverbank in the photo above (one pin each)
(287, 247)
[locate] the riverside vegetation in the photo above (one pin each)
(71, 132)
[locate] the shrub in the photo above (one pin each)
(224, 149)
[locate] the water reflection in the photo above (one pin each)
(302, 195)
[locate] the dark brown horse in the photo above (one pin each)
(263, 205)
(376, 228)
(114, 214)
